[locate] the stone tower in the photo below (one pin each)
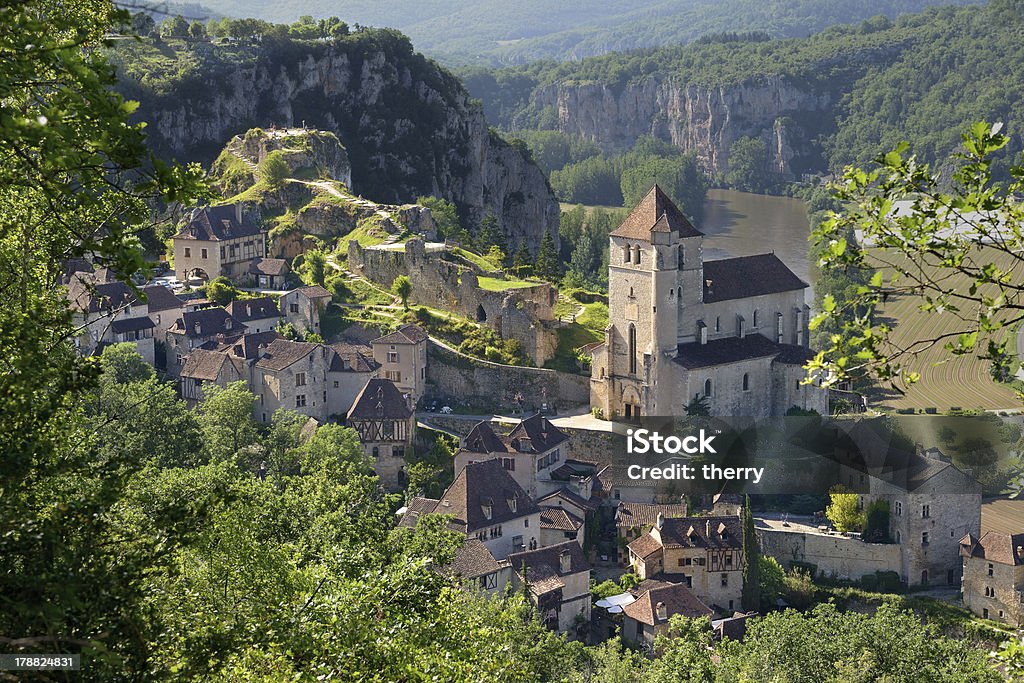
(654, 276)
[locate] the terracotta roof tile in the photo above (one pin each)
(559, 519)
(656, 212)
(543, 565)
(645, 515)
(406, 334)
(676, 599)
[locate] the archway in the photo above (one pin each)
(481, 314)
(924, 578)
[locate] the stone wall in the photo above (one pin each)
(491, 387)
(525, 314)
(836, 556)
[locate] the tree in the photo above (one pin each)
(197, 31)
(225, 415)
(121, 363)
(547, 258)
(446, 218)
(143, 24)
(773, 580)
(313, 268)
(698, 405)
(490, 234)
(402, 288)
(751, 594)
(174, 27)
(969, 235)
(274, 169)
(221, 291)
(844, 509)
(748, 165)
(876, 522)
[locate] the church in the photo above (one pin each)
(729, 332)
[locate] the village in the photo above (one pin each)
(535, 484)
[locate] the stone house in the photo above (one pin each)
(487, 504)
(203, 367)
(531, 453)
(558, 525)
(476, 570)
(402, 356)
(731, 331)
(291, 375)
(632, 520)
(268, 273)
(258, 315)
(303, 307)
(648, 616)
(558, 579)
(704, 553)
(351, 368)
(993, 576)
(196, 328)
(109, 313)
(387, 428)
(164, 309)
(218, 240)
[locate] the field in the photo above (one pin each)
(946, 381)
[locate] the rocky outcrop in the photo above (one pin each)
(705, 120)
(409, 127)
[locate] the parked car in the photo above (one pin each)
(446, 410)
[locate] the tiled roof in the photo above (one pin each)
(253, 309)
(380, 399)
(204, 365)
(747, 276)
(122, 325)
(472, 560)
(791, 354)
(90, 297)
(1001, 548)
(555, 498)
(702, 532)
(207, 322)
(483, 485)
(417, 506)
(268, 266)
(281, 353)
(559, 519)
(160, 298)
(313, 292)
(483, 439)
(353, 358)
(656, 212)
(541, 433)
(543, 565)
(247, 346)
(645, 515)
(676, 599)
(726, 350)
(406, 334)
(216, 223)
(645, 546)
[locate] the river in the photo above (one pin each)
(741, 224)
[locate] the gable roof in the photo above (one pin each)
(726, 350)
(122, 325)
(406, 334)
(999, 547)
(702, 532)
(479, 485)
(656, 212)
(564, 495)
(160, 298)
(747, 276)
(353, 358)
(645, 515)
(281, 353)
(676, 598)
(559, 519)
(203, 365)
(543, 565)
(253, 309)
(268, 266)
(645, 546)
(417, 506)
(312, 292)
(247, 346)
(380, 399)
(541, 433)
(472, 560)
(207, 322)
(483, 439)
(89, 296)
(216, 223)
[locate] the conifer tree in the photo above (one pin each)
(751, 595)
(547, 258)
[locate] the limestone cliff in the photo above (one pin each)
(409, 127)
(705, 120)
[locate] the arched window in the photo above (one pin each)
(718, 323)
(746, 382)
(755, 318)
(637, 254)
(632, 349)
(630, 292)
(671, 293)
(626, 254)
(707, 387)
(681, 256)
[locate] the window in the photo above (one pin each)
(625, 254)
(393, 375)
(300, 401)
(636, 253)
(924, 538)
(754, 321)
(632, 349)
(991, 568)
(398, 451)
(725, 580)
(188, 252)
(376, 452)
(718, 323)
(509, 464)
(335, 384)
(392, 356)
(926, 511)
(746, 382)
(899, 509)
(681, 256)
(204, 253)
(293, 307)
(990, 592)
(728, 560)
(177, 359)
(300, 379)
(526, 521)
(707, 387)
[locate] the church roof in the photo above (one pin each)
(747, 276)
(728, 350)
(655, 213)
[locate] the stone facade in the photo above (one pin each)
(402, 356)
(109, 313)
(732, 332)
(993, 576)
(218, 240)
(558, 581)
(303, 307)
(833, 555)
(387, 429)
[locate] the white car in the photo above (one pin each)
(447, 410)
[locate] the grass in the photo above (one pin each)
(588, 328)
(493, 284)
(362, 292)
(946, 380)
(481, 262)
(366, 234)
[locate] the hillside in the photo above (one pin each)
(493, 32)
(409, 127)
(816, 103)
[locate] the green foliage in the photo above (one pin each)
(402, 288)
(445, 217)
(751, 594)
(312, 269)
(547, 265)
(748, 166)
(274, 169)
(876, 522)
(225, 415)
(772, 580)
(843, 509)
(221, 291)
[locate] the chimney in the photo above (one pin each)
(661, 611)
(220, 337)
(703, 332)
(661, 520)
(198, 329)
(564, 562)
(238, 213)
(248, 310)
(707, 533)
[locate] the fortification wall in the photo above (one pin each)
(836, 556)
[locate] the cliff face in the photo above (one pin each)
(698, 119)
(409, 127)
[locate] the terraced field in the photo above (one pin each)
(946, 381)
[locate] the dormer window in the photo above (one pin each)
(511, 503)
(227, 323)
(487, 507)
(636, 254)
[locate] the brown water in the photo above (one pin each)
(743, 224)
